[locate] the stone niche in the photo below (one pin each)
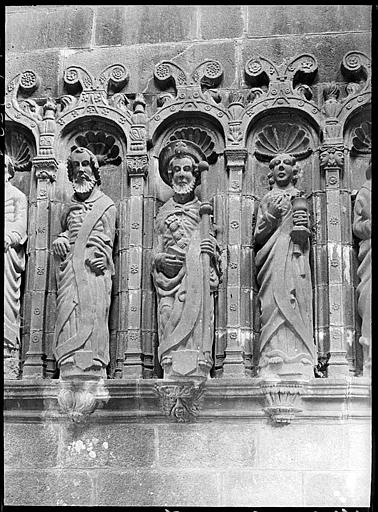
(185, 409)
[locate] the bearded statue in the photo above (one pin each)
(85, 268)
(185, 267)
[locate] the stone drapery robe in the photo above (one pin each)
(180, 295)
(285, 293)
(362, 229)
(83, 298)
(14, 264)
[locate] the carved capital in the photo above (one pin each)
(45, 168)
(280, 398)
(332, 157)
(137, 165)
(180, 400)
(236, 157)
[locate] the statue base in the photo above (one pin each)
(285, 369)
(81, 366)
(184, 364)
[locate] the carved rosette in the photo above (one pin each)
(281, 398)
(24, 111)
(181, 401)
(276, 82)
(90, 95)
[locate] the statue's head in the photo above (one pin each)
(283, 170)
(83, 170)
(178, 165)
(8, 168)
(182, 170)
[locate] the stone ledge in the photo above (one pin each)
(224, 399)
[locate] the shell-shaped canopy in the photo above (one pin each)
(199, 137)
(362, 138)
(101, 145)
(18, 149)
(282, 138)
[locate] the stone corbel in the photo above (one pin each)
(79, 399)
(180, 400)
(281, 400)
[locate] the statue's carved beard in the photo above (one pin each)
(84, 185)
(184, 188)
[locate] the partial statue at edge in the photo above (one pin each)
(287, 348)
(84, 279)
(14, 265)
(362, 230)
(186, 266)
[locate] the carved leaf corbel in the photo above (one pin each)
(280, 399)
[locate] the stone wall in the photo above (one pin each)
(128, 453)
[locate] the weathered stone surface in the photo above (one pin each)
(221, 21)
(44, 488)
(140, 24)
(114, 445)
(44, 64)
(336, 489)
(207, 446)
(301, 19)
(261, 489)
(158, 488)
(30, 445)
(328, 50)
(49, 28)
(142, 60)
(304, 447)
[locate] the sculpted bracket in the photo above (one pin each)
(180, 400)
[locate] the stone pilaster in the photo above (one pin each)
(233, 363)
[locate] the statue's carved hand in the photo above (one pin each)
(208, 246)
(61, 246)
(279, 205)
(7, 243)
(170, 262)
(97, 264)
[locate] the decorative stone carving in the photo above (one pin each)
(84, 249)
(78, 400)
(185, 265)
(282, 138)
(276, 82)
(14, 264)
(19, 150)
(361, 143)
(281, 235)
(103, 146)
(281, 399)
(181, 401)
(95, 95)
(362, 230)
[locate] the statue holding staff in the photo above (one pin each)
(185, 266)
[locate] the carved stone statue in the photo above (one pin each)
(14, 265)
(285, 293)
(84, 275)
(185, 266)
(362, 229)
